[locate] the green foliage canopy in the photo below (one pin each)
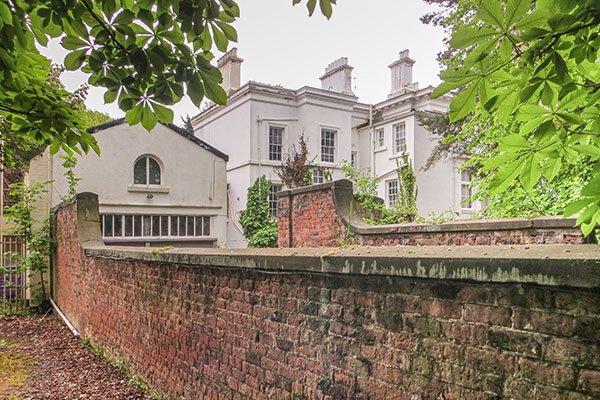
(254, 217)
(93, 118)
(17, 148)
(148, 54)
(532, 68)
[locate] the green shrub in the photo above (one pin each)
(371, 208)
(406, 209)
(35, 235)
(265, 237)
(255, 219)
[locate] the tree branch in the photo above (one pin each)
(27, 113)
(106, 28)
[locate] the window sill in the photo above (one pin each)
(270, 163)
(154, 239)
(147, 189)
(395, 156)
(380, 149)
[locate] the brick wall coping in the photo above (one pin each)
(550, 265)
(342, 194)
(468, 226)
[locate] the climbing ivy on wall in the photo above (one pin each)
(371, 208)
(259, 228)
(407, 190)
(34, 234)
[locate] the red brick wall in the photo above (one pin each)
(283, 222)
(233, 333)
(316, 220)
(309, 221)
(475, 238)
(69, 279)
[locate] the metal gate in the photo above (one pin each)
(12, 277)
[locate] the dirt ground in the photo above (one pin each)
(40, 359)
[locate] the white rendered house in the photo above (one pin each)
(261, 122)
(163, 188)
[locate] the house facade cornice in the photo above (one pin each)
(276, 95)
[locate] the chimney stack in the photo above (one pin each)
(230, 67)
(338, 77)
(402, 74)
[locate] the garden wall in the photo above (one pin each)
(325, 215)
(471, 322)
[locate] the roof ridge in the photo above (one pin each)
(189, 136)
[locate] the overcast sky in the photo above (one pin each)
(281, 45)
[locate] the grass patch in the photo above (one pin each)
(14, 369)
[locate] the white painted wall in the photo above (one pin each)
(238, 187)
(226, 130)
(242, 130)
(193, 179)
(313, 118)
(437, 184)
(243, 127)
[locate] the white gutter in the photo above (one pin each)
(373, 139)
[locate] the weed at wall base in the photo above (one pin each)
(121, 366)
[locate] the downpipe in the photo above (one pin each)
(62, 316)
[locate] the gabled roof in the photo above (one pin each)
(173, 127)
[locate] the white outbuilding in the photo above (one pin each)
(163, 188)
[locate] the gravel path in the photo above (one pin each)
(40, 359)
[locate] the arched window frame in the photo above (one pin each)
(147, 158)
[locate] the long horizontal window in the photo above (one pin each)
(154, 226)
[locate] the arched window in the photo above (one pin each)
(146, 171)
